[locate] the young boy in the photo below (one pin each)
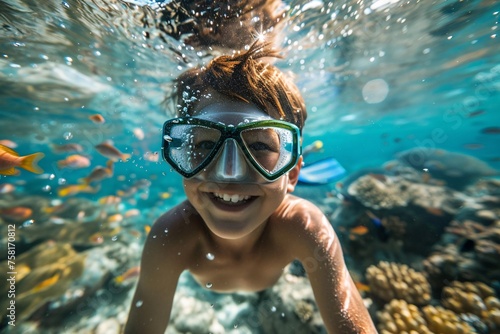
(237, 144)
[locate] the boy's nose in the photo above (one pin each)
(231, 164)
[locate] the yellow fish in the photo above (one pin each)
(9, 159)
(46, 283)
(74, 189)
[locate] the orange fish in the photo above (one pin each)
(116, 218)
(9, 143)
(97, 118)
(74, 161)
(46, 283)
(359, 230)
(99, 173)
(132, 213)
(10, 159)
(18, 213)
(108, 200)
(129, 274)
(96, 238)
(435, 211)
(147, 229)
(6, 188)
(362, 287)
(108, 150)
(74, 189)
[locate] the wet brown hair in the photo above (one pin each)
(243, 76)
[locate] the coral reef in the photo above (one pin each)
(400, 317)
(440, 320)
(390, 281)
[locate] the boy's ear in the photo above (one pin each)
(293, 176)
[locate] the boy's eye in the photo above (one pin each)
(260, 146)
(205, 145)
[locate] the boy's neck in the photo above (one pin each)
(238, 247)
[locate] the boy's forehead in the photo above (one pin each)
(231, 112)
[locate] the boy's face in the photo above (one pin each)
(230, 195)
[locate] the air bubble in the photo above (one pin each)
(28, 223)
(139, 303)
(210, 256)
(68, 135)
(208, 285)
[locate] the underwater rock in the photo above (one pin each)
(47, 282)
(375, 193)
(108, 326)
(455, 169)
(288, 307)
(191, 315)
(390, 281)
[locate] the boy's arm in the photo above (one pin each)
(160, 270)
(338, 300)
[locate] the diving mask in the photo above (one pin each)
(270, 146)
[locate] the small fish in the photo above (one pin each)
(108, 150)
(362, 287)
(132, 213)
(46, 283)
(116, 218)
(9, 143)
(74, 161)
(138, 133)
(97, 118)
(434, 211)
(109, 200)
(359, 230)
(65, 148)
(74, 189)
(130, 191)
(316, 146)
(147, 229)
(99, 173)
(17, 214)
(10, 159)
(128, 275)
(381, 231)
(96, 238)
(165, 195)
(6, 188)
(491, 130)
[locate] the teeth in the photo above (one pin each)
(232, 198)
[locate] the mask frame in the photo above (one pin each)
(227, 132)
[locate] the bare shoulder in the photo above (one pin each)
(302, 226)
(172, 239)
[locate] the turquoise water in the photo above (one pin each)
(378, 77)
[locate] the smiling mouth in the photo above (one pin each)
(234, 199)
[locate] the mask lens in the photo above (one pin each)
(270, 147)
(190, 145)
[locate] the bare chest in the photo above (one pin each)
(254, 272)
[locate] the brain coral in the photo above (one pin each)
(390, 281)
